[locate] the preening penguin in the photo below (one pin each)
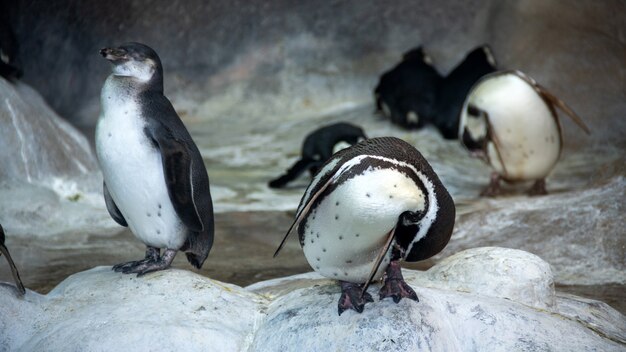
(16, 275)
(407, 93)
(510, 121)
(155, 181)
(319, 146)
(368, 207)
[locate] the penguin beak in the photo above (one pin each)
(113, 54)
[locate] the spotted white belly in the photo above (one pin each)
(133, 173)
(347, 230)
(528, 141)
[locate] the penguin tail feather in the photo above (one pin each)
(194, 260)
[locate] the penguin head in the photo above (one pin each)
(134, 60)
(474, 129)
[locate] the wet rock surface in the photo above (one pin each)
(102, 310)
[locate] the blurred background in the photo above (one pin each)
(251, 78)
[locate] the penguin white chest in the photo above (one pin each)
(527, 137)
(133, 172)
(345, 232)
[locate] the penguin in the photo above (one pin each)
(511, 122)
(406, 94)
(16, 275)
(155, 181)
(319, 146)
(369, 207)
(455, 86)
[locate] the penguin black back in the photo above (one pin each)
(407, 93)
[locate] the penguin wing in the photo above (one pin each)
(302, 214)
(178, 165)
(112, 208)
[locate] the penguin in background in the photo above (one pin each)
(406, 94)
(369, 207)
(455, 86)
(510, 121)
(319, 146)
(16, 275)
(155, 181)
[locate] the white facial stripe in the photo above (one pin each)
(477, 127)
(141, 70)
(341, 145)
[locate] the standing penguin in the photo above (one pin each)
(16, 276)
(406, 94)
(510, 121)
(318, 147)
(155, 181)
(457, 84)
(370, 206)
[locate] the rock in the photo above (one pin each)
(179, 310)
(36, 145)
(581, 234)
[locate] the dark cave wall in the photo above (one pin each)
(329, 51)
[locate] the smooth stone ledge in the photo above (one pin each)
(479, 299)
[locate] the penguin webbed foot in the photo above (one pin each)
(493, 189)
(394, 285)
(538, 188)
(351, 297)
(152, 262)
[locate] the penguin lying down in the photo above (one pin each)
(318, 146)
(367, 208)
(413, 94)
(510, 122)
(155, 181)
(16, 276)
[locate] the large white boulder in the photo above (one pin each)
(99, 310)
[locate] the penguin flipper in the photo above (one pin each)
(16, 275)
(553, 100)
(112, 207)
(305, 210)
(178, 171)
(379, 259)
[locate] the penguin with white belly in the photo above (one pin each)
(510, 121)
(155, 181)
(319, 146)
(367, 208)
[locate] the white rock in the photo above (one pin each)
(99, 310)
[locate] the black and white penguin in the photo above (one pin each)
(155, 181)
(16, 275)
(319, 146)
(456, 85)
(510, 121)
(370, 206)
(406, 94)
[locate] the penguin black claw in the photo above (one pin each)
(353, 298)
